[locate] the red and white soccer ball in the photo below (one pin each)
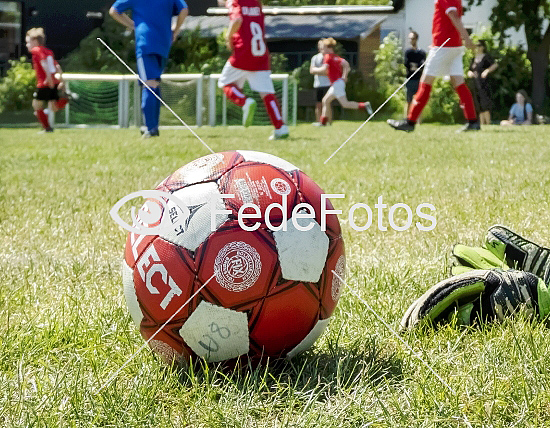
(270, 294)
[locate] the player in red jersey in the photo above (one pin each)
(337, 69)
(250, 62)
(47, 85)
(444, 58)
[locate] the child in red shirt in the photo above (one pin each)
(337, 69)
(47, 85)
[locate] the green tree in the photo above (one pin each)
(390, 71)
(533, 15)
(190, 52)
(91, 56)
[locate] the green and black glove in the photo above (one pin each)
(505, 250)
(489, 282)
(480, 295)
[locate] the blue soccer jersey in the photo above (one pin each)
(152, 22)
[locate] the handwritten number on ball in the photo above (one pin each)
(212, 345)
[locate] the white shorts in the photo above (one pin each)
(445, 62)
(259, 81)
(338, 89)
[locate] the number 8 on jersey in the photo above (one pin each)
(250, 50)
(258, 44)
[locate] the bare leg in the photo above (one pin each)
(327, 109)
(37, 105)
(456, 81)
(429, 80)
(52, 106)
(318, 111)
(345, 103)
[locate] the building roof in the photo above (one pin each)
(339, 26)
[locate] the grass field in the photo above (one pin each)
(64, 327)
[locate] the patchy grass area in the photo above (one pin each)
(64, 327)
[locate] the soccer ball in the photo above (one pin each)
(235, 293)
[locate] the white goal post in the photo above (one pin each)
(114, 100)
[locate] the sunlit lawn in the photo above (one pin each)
(64, 327)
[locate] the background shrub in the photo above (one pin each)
(390, 72)
(17, 87)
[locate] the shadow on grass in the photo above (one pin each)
(326, 373)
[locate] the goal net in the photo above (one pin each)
(115, 100)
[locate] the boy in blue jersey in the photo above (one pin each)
(152, 23)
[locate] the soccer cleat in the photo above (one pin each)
(280, 133)
(401, 125)
(368, 108)
(470, 126)
(249, 109)
(150, 134)
(46, 131)
(317, 124)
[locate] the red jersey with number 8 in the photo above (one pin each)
(249, 47)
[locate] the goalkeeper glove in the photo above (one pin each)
(480, 295)
(503, 249)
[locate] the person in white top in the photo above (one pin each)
(321, 83)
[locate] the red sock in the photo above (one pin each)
(419, 102)
(42, 118)
(273, 110)
(234, 94)
(324, 120)
(466, 102)
(361, 106)
(61, 102)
